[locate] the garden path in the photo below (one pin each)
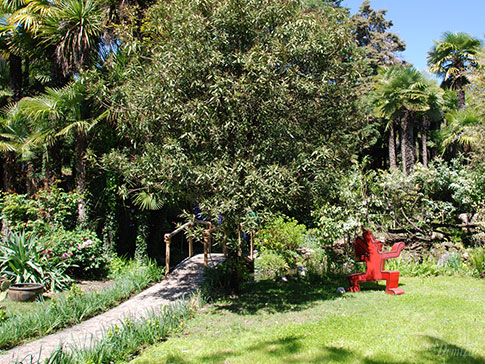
(182, 281)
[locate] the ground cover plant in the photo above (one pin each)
(74, 306)
(437, 320)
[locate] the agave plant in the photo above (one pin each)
(22, 260)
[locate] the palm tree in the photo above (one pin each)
(16, 140)
(74, 27)
(62, 112)
(401, 92)
(435, 100)
(461, 130)
(451, 57)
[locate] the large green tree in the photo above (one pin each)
(451, 57)
(371, 31)
(239, 105)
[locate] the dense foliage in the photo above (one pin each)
(237, 105)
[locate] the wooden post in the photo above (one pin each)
(191, 246)
(167, 253)
(251, 246)
(209, 228)
(206, 247)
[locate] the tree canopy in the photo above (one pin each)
(241, 105)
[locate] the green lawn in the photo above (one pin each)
(437, 320)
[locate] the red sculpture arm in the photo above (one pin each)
(395, 251)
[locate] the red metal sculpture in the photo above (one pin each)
(369, 250)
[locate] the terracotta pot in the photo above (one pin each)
(25, 291)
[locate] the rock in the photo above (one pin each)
(340, 290)
(301, 271)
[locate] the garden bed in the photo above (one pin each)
(26, 321)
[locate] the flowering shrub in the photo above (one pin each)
(81, 250)
(40, 213)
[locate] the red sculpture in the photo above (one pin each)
(369, 250)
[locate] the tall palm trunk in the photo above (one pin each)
(9, 171)
(81, 183)
(26, 74)
(392, 147)
(9, 162)
(424, 141)
(30, 183)
(16, 76)
(58, 79)
(460, 93)
(407, 143)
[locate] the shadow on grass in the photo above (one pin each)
(277, 296)
(290, 350)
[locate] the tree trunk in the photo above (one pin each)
(460, 95)
(16, 76)
(58, 79)
(81, 183)
(403, 130)
(26, 74)
(9, 172)
(52, 164)
(407, 144)
(424, 141)
(30, 184)
(392, 147)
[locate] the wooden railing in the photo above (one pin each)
(207, 242)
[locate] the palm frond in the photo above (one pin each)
(148, 201)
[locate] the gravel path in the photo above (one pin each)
(185, 279)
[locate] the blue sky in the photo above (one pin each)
(419, 22)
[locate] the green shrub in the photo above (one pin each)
(270, 264)
(283, 236)
(477, 259)
(40, 213)
(450, 264)
(81, 250)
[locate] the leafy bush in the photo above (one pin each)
(428, 205)
(23, 261)
(40, 213)
(270, 264)
(283, 236)
(449, 264)
(81, 250)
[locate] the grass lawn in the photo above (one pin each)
(437, 320)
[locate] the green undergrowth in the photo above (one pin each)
(75, 306)
(437, 320)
